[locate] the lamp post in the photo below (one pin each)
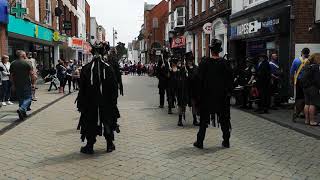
(114, 35)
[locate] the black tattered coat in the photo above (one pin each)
(97, 98)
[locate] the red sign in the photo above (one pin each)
(87, 48)
(179, 42)
(77, 43)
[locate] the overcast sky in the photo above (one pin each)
(126, 16)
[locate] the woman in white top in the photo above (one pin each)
(6, 84)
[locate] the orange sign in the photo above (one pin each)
(76, 43)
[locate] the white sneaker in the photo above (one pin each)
(9, 103)
(4, 103)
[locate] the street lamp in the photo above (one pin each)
(114, 35)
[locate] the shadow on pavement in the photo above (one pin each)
(192, 151)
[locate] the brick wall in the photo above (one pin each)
(88, 21)
(161, 12)
(3, 40)
(305, 31)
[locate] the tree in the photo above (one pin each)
(121, 50)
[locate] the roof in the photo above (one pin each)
(148, 7)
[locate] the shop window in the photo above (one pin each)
(48, 17)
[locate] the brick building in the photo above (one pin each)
(176, 26)
(88, 21)
(155, 19)
(267, 26)
(210, 13)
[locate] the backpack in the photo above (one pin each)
(311, 76)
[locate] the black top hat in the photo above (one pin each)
(215, 45)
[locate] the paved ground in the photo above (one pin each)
(8, 114)
(151, 146)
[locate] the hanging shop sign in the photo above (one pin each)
(76, 43)
(179, 42)
(207, 28)
(27, 28)
(67, 25)
(19, 11)
(4, 18)
(57, 37)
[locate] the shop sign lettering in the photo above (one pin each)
(253, 27)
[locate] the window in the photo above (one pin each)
(204, 3)
(190, 9)
(196, 9)
(251, 3)
(48, 16)
(180, 17)
(203, 44)
(196, 49)
(170, 6)
(22, 2)
(37, 10)
(212, 3)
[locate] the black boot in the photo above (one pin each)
(226, 143)
(180, 121)
(110, 146)
(195, 121)
(169, 110)
(88, 149)
(198, 145)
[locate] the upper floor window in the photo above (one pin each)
(48, 15)
(204, 5)
(212, 3)
(180, 17)
(196, 9)
(22, 2)
(250, 3)
(170, 6)
(190, 9)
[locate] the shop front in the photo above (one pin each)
(263, 32)
(77, 51)
(30, 37)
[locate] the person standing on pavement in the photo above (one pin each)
(1, 70)
(275, 79)
(311, 88)
(61, 75)
(172, 84)
(23, 81)
(97, 100)
(69, 70)
(264, 84)
(162, 75)
(114, 62)
(6, 84)
(296, 74)
(33, 63)
(192, 87)
(215, 78)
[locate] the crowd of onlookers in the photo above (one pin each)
(18, 79)
(138, 69)
(66, 72)
(259, 80)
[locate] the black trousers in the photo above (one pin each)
(108, 134)
(52, 84)
(265, 97)
(69, 80)
(223, 119)
(162, 92)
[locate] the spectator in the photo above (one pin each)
(23, 79)
(1, 69)
(264, 84)
(296, 73)
(6, 84)
(275, 79)
(311, 86)
(61, 75)
(33, 63)
(69, 70)
(52, 78)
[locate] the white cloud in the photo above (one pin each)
(126, 16)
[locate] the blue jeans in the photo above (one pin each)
(24, 95)
(6, 91)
